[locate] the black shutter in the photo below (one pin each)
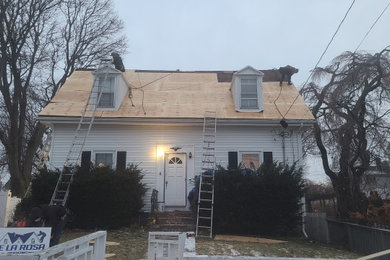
(121, 160)
(85, 159)
(268, 160)
(233, 160)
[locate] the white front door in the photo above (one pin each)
(175, 179)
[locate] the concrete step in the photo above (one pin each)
(173, 221)
(172, 227)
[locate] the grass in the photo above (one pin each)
(134, 245)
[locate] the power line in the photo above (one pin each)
(143, 91)
(319, 60)
(372, 26)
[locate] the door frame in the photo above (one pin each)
(166, 156)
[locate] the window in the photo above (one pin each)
(104, 158)
(175, 160)
(249, 92)
(106, 85)
(250, 160)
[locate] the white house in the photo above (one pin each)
(155, 119)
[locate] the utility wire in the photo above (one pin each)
(143, 92)
(372, 26)
(319, 60)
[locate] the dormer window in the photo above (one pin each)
(107, 87)
(247, 90)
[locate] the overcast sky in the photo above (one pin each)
(230, 34)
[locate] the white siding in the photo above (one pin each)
(141, 143)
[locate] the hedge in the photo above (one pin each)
(98, 198)
(266, 201)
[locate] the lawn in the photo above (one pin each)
(134, 245)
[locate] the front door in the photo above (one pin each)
(175, 179)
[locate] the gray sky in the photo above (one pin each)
(230, 34)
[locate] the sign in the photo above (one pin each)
(24, 240)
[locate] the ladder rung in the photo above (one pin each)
(205, 191)
(205, 209)
(207, 176)
(204, 217)
(207, 200)
(204, 227)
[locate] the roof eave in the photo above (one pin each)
(48, 120)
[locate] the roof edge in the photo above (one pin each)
(176, 121)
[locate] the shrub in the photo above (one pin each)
(104, 198)
(41, 190)
(98, 198)
(266, 201)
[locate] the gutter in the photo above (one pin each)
(176, 121)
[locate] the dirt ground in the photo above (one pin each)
(134, 245)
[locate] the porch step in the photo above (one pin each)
(173, 221)
(173, 227)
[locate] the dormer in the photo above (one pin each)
(247, 90)
(113, 86)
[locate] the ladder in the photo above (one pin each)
(61, 191)
(204, 220)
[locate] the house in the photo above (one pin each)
(155, 119)
(377, 179)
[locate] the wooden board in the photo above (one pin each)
(177, 95)
(248, 239)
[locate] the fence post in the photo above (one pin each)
(99, 250)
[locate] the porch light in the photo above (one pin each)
(160, 152)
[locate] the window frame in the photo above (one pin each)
(241, 153)
(112, 152)
(255, 95)
(111, 91)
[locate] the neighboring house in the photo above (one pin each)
(155, 119)
(377, 179)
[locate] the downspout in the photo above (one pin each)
(303, 199)
(283, 147)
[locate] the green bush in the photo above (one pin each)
(98, 198)
(104, 198)
(266, 201)
(41, 189)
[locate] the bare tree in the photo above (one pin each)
(351, 103)
(41, 44)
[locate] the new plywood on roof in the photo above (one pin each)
(176, 95)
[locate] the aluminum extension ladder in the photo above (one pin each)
(61, 191)
(204, 220)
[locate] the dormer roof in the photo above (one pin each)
(248, 70)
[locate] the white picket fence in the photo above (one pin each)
(166, 245)
(79, 248)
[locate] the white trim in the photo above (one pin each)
(247, 72)
(259, 153)
(49, 120)
(113, 152)
(185, 176)
(114, 86)
(160, 170)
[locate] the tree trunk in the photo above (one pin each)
(349, 197)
